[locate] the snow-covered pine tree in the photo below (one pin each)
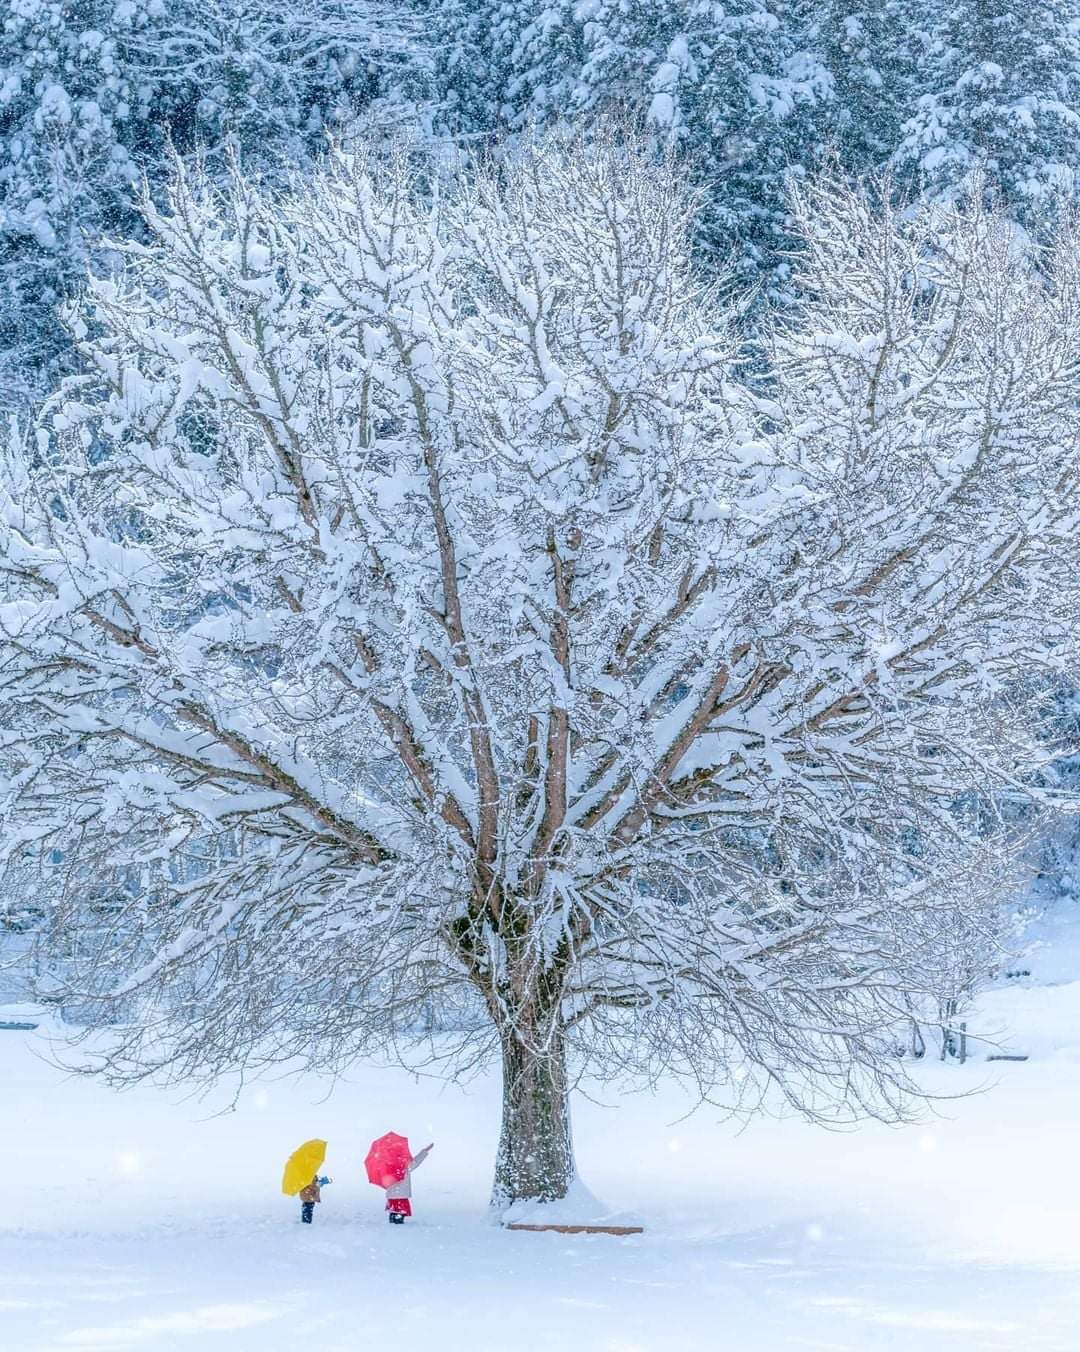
(874, 55)
(74, 114)
(1002, 99)
(90, 93)
(272, 76)
(482, 85)
(428, 572)
(725, 82)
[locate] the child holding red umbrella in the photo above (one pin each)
(390, 1164)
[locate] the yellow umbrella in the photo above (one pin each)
(302, 1166)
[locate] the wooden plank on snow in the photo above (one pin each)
(584, 1229)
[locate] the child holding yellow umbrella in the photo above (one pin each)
(301, 1177)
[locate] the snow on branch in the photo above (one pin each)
(416, 603)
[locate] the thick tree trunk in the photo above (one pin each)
(536, 1157)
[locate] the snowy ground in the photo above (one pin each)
(131, 1222)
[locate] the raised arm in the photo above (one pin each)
(419, 1157)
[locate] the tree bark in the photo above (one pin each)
(535, 1161)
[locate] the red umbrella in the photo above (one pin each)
(388, 1160)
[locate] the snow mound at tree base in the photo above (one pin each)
(578, 1208)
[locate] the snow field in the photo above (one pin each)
(137, 1220)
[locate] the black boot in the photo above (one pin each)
(395, 1218)
(307, 1211)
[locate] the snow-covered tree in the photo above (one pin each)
(474, 54)
(874, 54)
(728, 83)
(73, 113)
(273, 76)
(89, 94)
(427, 573)
(1003, 84)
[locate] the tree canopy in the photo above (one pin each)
(422, 602)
